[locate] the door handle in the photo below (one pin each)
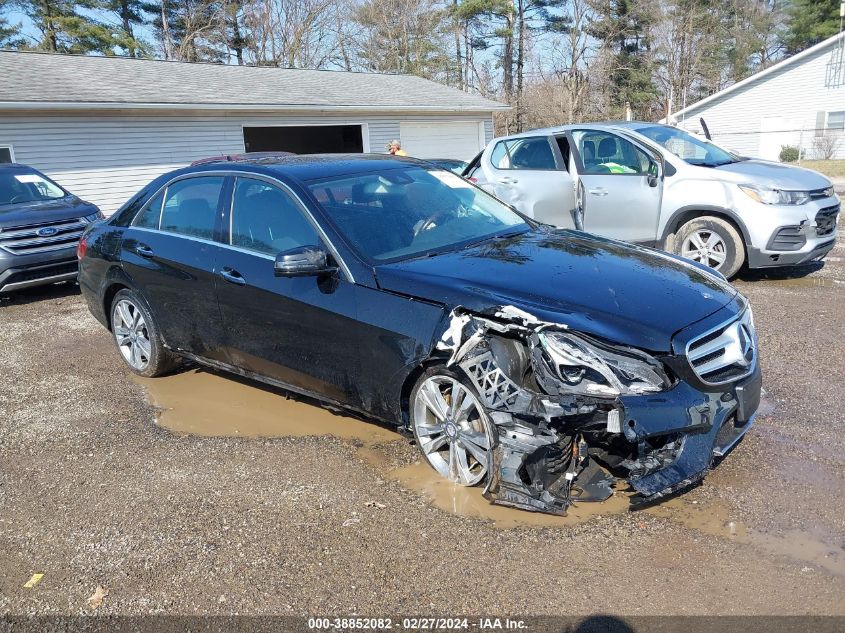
(599, 191)
(233, 276)
(507, 180)
(144, 251)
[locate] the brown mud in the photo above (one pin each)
(201, 402)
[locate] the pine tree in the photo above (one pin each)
(810, 22)
(64, 28)
(9, 33)
(130, 15)
(622, 26)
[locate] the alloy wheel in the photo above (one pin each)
(131, 334)
(705, 246)
(452, 430)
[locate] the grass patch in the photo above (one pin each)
(830, 168)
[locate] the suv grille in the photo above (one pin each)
(40, 238)
(726, 353)
(826, 220)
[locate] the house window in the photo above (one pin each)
(836, 121)
(6, 154)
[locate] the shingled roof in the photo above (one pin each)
(44, 80)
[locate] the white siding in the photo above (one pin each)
(106, 158)
(757, 119)
(442, 139)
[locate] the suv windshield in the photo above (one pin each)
(396, 214)
(21, 186)
(691, 149)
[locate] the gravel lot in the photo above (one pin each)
(94, 493)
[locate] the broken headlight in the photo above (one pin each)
(591, 369)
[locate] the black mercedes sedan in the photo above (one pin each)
(546, 365)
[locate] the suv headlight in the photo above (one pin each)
(93, 217)
(765, 195)
(594, 370)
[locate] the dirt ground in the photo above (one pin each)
(290, 509)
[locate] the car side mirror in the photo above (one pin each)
(653, 173)
(302, 261)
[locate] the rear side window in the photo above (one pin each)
(524, 153)
(150, 216)
(267, 220)
(190, 206)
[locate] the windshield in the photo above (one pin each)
(691, 149)
(17, 187)
(395, 214)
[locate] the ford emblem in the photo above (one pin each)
(47, 231)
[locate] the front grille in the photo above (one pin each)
(826, 220)
(41, 238)
(726, 353)
(819, 194)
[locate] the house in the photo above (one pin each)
(103, 127)
(799, 101)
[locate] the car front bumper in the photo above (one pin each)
(38, 269)
(781, 235)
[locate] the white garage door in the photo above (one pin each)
(450, 139)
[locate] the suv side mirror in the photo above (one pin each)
(302, 261)
(653, 173)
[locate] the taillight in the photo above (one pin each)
(471, 179)
(82, 247)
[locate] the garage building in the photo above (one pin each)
(105, 126)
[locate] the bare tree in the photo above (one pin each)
(825, 146)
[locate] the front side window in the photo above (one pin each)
(21, 186)
(605, 153)
(687, 147)
(524, 153)
(267, 220)
(394, 214)
(190, 206)
(6, 154)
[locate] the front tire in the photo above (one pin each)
(137, 336)
(713, 242)
(451, 426)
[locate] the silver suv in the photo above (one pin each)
(660, 186)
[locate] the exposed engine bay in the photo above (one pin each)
(573, 416)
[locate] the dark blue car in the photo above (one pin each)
(545, 364)
(40, 225)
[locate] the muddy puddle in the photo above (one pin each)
(200, 402)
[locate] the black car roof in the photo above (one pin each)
(16, 167)
(313, 166)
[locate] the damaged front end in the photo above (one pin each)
(573, 414)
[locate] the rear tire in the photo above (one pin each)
(137, 337)
(711, 241)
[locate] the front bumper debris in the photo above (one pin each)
(555, 447)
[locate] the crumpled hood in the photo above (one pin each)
(617, 291)
(773, 175)
(69, 207)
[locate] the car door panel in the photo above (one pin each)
(527, 174)
(616, 198)
(298, 330)
(175, 272)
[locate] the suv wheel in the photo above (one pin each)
(713, 242)
(137, 337)
(451, 426)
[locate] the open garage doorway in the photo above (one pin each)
(305, 139)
